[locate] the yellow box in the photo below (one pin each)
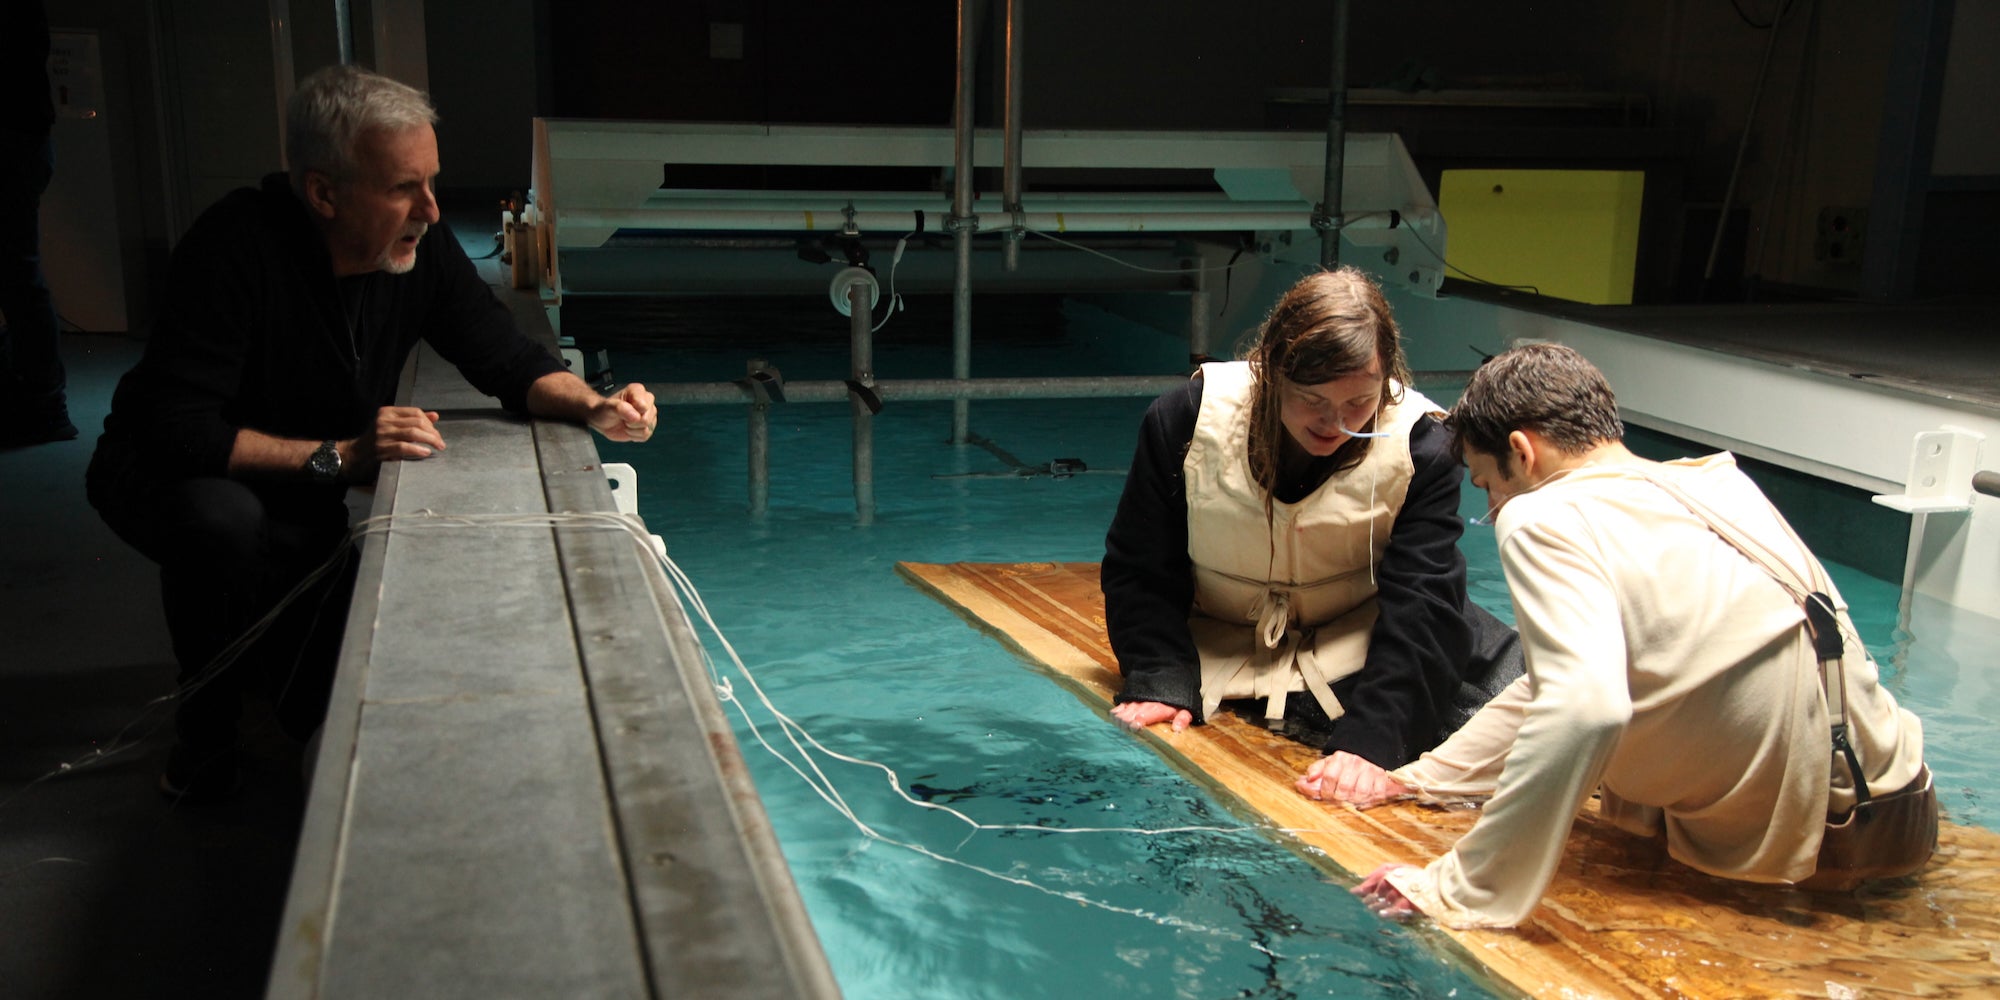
(1571, 234)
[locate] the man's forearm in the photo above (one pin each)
(256, 454)
(562, 396)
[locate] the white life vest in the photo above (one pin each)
(1285, 603)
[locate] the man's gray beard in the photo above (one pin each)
(389, 263)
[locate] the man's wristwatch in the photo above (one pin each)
(324, 463)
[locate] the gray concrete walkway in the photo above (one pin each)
(525, 786)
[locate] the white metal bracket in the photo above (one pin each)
(625, 493)
(1942, 463)
(624, 487)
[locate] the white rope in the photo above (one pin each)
(683, 591)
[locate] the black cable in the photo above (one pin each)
(1783, 10)
(1228, 272)
(1794, 145)
(1469, 276)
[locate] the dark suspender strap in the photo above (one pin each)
(1846, 749)
(1820, 624)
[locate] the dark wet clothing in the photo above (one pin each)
(1431, 647)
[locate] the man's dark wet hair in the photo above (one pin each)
(1546, 388)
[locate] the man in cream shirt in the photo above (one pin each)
(1667, 670)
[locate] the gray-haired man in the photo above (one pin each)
(267, 386)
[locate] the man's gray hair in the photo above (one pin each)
(331, 110)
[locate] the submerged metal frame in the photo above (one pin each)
(962, 222)
(594, 180)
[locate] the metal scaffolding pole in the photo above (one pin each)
(962, 222)
(1198, 307)
(927, 390)
(861, 373)
(761, 388)
(1328, 217)
(760, 440)
(1010, 184)
(1196, 217)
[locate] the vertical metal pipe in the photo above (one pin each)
(1010, 184)
(760, 444)
(1329, 218)
(961, 121)
(961, 332)
(962, 222)
(861, 369)
(343, 30)
(1198, 313)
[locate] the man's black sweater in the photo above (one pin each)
(257, 333)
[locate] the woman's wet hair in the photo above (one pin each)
(1330, 325)
(333, 107)
(1546, 388)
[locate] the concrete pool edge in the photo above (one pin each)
(525, 781)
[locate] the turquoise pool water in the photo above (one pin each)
(876, 670)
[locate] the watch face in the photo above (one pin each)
(324, 465)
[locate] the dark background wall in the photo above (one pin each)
(1672, 82)
(1663, 86)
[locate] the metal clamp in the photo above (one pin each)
(954, 223)
(624, 483)
(1942, 467)
(765, 385)
(864, 390)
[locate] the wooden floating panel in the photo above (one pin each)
(1621, 919)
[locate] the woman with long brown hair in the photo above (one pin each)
(1289, 534)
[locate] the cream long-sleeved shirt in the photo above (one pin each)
(1665, 670)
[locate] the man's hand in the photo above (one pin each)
(626, 415)
(1344, 777)
(400, 434)
(1383, 899)
(1140, 714)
